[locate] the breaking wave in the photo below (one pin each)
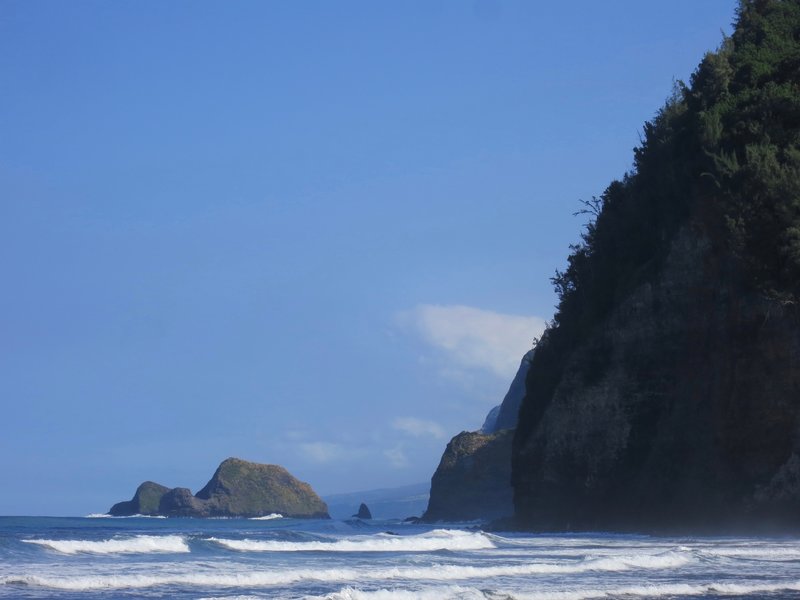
(668, 589)
(240, 597)
(438, 539)
(440, 592)
(136, 545)
(285, 577)
(267, 517)
(754, 552)
(107, 516)
(644, 591)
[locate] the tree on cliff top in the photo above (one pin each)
(725, 148)
(728, 144)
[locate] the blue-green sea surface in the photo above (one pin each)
(104, 558)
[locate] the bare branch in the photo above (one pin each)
(590, 207)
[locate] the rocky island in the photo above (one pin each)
(238, 489)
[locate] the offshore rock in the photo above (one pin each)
(179, 502)
(679, 412)
(473, 479)
(243, 488)
(384, 503)
(238, 489)
(145, 501)
(363, 512)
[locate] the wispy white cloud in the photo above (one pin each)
(418, 427)
(474, 338)
(325, 452)
(397, 458)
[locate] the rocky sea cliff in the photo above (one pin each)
(664, 394)
(679, 411)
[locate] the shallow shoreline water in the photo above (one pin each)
(104, 558)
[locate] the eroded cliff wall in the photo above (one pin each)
(665, 393)
(473, 479)
(679, 411)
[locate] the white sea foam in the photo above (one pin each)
(776, 553)
(107, 516)
(470, 593)
(239, 597)
(267, 517)
(439, 592)
(252, 578)
(134, 545)
(669, 589)
(438, 539)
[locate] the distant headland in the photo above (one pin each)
(238, 488)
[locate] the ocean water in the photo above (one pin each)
(240, 559)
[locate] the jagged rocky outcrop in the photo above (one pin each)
(363, 512)
(238, 488)
(473, 479)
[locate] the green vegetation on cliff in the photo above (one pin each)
(238, 488)
(472, 479)
(691, 261)
(148, 496)
(145, 501)
(727, 146)
(245, 488)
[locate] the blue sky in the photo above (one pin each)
(318, 234)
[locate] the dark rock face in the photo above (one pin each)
(145, 501)
(237, 489)
(473, 479)
(504, 416)
(509, 409)
(179, 502)
(680, 411)
(363, 512)
(490, 422)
